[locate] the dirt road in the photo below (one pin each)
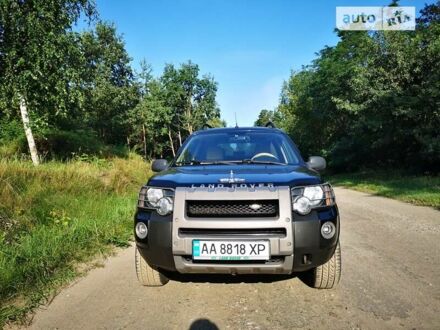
(391, 279)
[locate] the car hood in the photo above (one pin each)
(278, 175)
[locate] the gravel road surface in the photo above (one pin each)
(390, 280)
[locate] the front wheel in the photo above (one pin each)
(328, 275)
(147, 275)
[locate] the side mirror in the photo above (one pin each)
(159, 165)
(316, 163)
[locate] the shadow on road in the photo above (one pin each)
(203, 324)
(231, 279)
(306, 278)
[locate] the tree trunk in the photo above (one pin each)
(180, 139)
(189, 120)
(189, 116)
(28, 131)
(144, 137)
(171, 142)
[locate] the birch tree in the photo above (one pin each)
(36, 49)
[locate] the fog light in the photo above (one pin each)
(164, 206)
(302, 205)
(328, 230)
(141, 230)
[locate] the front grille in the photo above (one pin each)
(232, 209)
(258, 232)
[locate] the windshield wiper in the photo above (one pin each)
(198, 162)
(227, 162)
(219, 162)
(188, 162)
(250, 161)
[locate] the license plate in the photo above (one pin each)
(231, 250)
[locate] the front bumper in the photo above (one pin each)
(301, 248)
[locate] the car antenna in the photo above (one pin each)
(236, 124)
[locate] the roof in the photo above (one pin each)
(238, 129)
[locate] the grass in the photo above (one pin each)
(418, 190)
(55, 216)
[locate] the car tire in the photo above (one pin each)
(147, 275)
(327, 276)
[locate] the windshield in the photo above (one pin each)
(238, 147)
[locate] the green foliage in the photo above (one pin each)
(12, 149)
(371, 100)
(190, 99)
(12, 139)
(172, 107)
(10, 130)
(64, 145)
(82, 84)
(38, 53)
(216, 122)
(56, 215)
(109, 88)
(267, 116)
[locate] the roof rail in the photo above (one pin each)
(270, 125)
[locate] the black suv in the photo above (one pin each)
(238, 201)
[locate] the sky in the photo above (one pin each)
(249, 46)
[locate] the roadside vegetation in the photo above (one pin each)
(59, 214)
(415, 189)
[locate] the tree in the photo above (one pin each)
(371, 100)
(36, 50)
(109, 87)
(216, 122)
(171, 107)
(76, 91)
(267, 116)
(190, 98)
(150, 121)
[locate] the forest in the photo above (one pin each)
(370, 101)
(65, 93)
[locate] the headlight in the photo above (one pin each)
(159, 199)
(314, 194)
(304, 199)
(165, 206)
(302, 205)
(154, 195)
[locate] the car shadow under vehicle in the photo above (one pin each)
(233, 279)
